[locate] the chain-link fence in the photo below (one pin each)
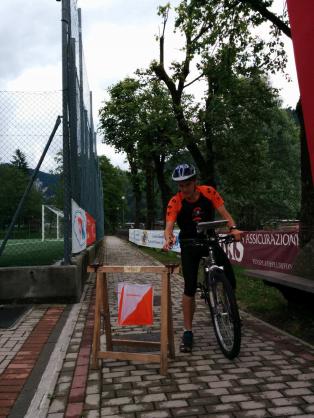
(83, 177)
(26, 122)
(44, 166)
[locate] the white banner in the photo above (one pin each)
(267, 250)
(78, 228)
(153, 239)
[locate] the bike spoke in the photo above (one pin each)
(224, 315)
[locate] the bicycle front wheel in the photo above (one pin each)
(225, 314)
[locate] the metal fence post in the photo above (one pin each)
(73, 122)
(66, 137)
(83, 120)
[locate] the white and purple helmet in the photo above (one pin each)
(183, 172)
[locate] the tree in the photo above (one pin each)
(19, 161)
(115, 186)
(160, 138)
(219, 40)
(12, 186)
(302, 265)
(139, 121)
(250, 132)
(57, 197)
(258, 151)
(119, 126)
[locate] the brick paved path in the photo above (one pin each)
(20, 349)
(273, 376)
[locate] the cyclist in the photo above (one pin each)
(194, 203)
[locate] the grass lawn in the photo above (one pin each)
(31, 252)
(264, 302)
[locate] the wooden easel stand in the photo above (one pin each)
(102, 310)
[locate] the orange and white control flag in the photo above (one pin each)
(135, 304)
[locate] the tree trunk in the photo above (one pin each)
(150, 200)
(207, 129)
(304, 263)
(165, 190)
(137, 191)
(190, 141)
(185, 130)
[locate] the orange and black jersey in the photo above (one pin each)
(186, 214)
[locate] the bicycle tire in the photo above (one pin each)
(225, 314)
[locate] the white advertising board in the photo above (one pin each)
(78, 228)
(153, 239)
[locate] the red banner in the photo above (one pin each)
(265, 250)
(90, 229)
(301, 15)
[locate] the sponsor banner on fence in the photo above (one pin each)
(90, 229)
(83, 228)
(301, 14)
(265, 250)
(78, 228)
(153, 239)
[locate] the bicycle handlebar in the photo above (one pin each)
(206, 226)
(227, 239)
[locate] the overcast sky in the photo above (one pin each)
(118, 38)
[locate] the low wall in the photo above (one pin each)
(42, 284)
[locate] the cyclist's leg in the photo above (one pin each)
(190, 261)
(188, 307)
(223, 260)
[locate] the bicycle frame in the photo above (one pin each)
(218, 293)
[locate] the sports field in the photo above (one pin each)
(31, 252)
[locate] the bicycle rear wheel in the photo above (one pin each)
(224, 312)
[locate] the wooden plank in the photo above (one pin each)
(164, 324)
(173, 268)
(284, 279)
(96, 334)
(128, 269)
(136, 343)
(105, 306)
(170, 320)
(118, 355)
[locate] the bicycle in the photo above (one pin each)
(218, 292)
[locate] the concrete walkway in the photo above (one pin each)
(45, 364)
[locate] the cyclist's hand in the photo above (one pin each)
(237, 234)
(168, 243)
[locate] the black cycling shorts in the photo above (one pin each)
(190, 260)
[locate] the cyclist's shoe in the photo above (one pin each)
(186, 342)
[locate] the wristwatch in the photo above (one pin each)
(231, 228)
